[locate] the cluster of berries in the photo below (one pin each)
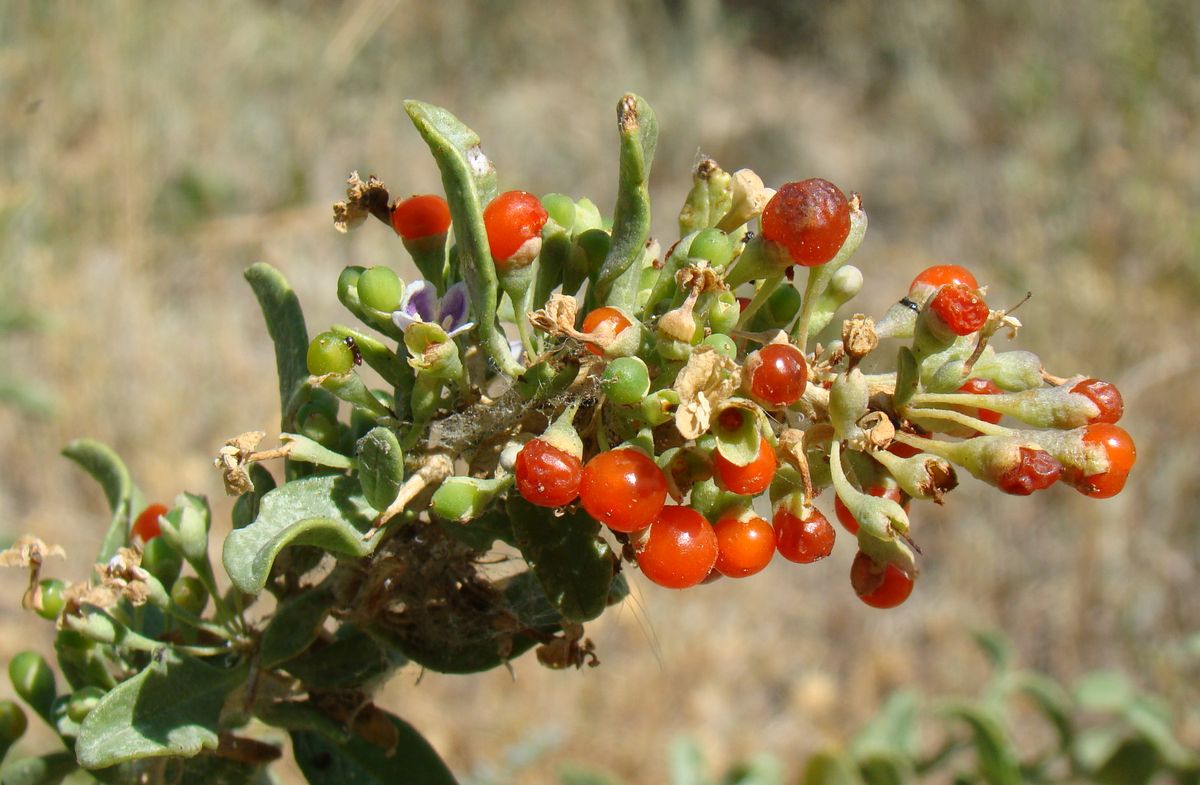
(685, 393)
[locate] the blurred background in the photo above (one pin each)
(151, 151)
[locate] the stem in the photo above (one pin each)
(818, 277)
(761, 295)
(991, 429)
(435, 468)
(224, 615)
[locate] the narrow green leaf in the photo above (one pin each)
(617, 281)
(285, 324)
(469, 180)
(995, 647)
(380, 466)
(328, 512)
(831, 768)
(306, 450)
(760, 770)
(1106, 691)
(573, 563)
(998, 762)
(169, 709)
(124, 500)
(44, 770)
(295, 625)
(1051, 699)
(887, 768)
(1134, 762)
(893, 729)
(1152, 721)
(359, 762)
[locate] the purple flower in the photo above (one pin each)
(421, 304)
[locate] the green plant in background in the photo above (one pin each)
(638, 375)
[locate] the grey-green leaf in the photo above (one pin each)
(328, 512)
(285, 324)
(44, 770)
(295, 625)
(359, 762)
(380, 466)
(306, 450)
(997, 758)
(169, 709)
(124, 500)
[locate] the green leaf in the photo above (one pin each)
(327, 512)
(285, 324)
(469, 180)
(295, 625)
(893, 729)
(44, 770)
(617, 282)
(887, 768)
(350, 661)
(169, 709)
(1134, 762)
(995, 647)
(762, 770)
(306, 450)
(1106, 691)
(1051, 699)
(124, 500)
(831, 768)
(380, 466)
(1152, 721)
(997, 758)
(359, 762)
(571, 774)
(686, 763)
(208, 769)
(573, 563)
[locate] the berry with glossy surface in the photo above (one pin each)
(848, 521)
(13, 722)
(960, 308)
(976, 386)
(744, 547)
(680, 549)
(1118, 446)
(623, 489)
(880, 586)
(941, 274)
(424, 215)
(145, 526)
(811, 219)
(781, 377)
(512, 219)
(547, 476)
(1035, 470)
(803, 540)
(328, 353)
(607, 317)
(712, 245)
(52, 601)
(751, 479)
(1105, 395)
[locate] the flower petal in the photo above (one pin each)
(455, 306)
(459, 330)
(420, 301)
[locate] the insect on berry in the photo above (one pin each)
(847, 519)
(1105, 395)
(960, 308)
(547, 476)
(803, 540)
(354, 351)
(604, 318)
(680, 549)
(811, 219)
(512, 219)
(940, 275)
(1121, 453)
(624, 489)
(744, 547)
(880, 586)
(145, 526)
(751, 479)
(424, 215)
(779, 374)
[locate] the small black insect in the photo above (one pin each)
(353, 349)
(907, 303)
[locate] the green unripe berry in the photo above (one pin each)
(52, 598)
(33, 680)
(380, 288)
(317, 425)
(189, 595)
(712, 245)
(725, 346)
(560, 208)
(162, 561)
(329, 354)
(779, 310)
(626, 380)
(12, 722)
(594, 243)
(82, 701)
(724, 314)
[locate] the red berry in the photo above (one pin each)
(976, 386)
(803, 540)
(512, 219)
(421, 216)
(960, 308)
(680, 550)
(902, 450)
(547, 476)
(848, 521)
(623, 489)
(1035, 470)
(744, 547)
(145, 527)
(1105, 395)
(781, 377)
(751, 479)
(810, 218)
(606, 315)
(880, 586)
(1121, 452)
(941, 274)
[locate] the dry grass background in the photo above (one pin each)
(150, 151)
